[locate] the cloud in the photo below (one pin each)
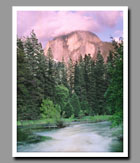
(108, 18)
(49, 24)
(118, 33)
(25, 21)
(63, 22)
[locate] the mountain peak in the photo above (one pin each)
(77, 43)
(78, 32)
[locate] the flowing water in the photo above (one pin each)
(86, 137)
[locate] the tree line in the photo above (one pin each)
(50, 89)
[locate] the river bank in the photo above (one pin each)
(52, 122)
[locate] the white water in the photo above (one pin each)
(91, 137)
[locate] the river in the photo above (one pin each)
(78, 137)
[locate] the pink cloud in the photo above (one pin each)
(63, 22)
(25, 21)
(49, 24)
(118, 33)
(108, 18)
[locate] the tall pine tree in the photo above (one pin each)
(99, 84)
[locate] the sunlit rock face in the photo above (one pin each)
(76, 44)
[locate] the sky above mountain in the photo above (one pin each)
(49, 24)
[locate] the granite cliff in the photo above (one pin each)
(77, 43)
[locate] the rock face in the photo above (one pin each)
(77, 43)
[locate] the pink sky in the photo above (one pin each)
(49, 24)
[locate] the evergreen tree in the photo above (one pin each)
(64, 74)
(22, 82)
(109, 65)
(74, 101)
(68, 110)
(71, 75)
(61, 98)
(114, 93)
(92, 89)
(79, 80)
(87, 71)
(99, 85)
(50, 90)
(61, 73)
(86, 108)
(33, 53)
(58, 73)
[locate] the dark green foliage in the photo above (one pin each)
(71, 75)
(92, 90)
(30, 74)
(81, 114)
(74, 101)
(79, 80)
(114, 93)
(50, 83)
(68, 110)
(86, 73)
(64, 75)
(22, 75)
(99, 85)
(89, 84)
(35, 74)
(85, 107)
(62, 96)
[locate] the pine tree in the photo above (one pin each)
(81, 88)
(22, 82)
(71, 75)
(61, 73)
(74, 101)
(34, 57)
(64, 74)
(99, 84)
(68, 110)
(87, 71)
(50, 83)
(92, 89)
(77, 82)
(114, 93)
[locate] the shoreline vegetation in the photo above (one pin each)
(52, 123)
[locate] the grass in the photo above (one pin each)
(97, 118)
(92, 119)
(35, 122)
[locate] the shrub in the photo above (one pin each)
(49, 110)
